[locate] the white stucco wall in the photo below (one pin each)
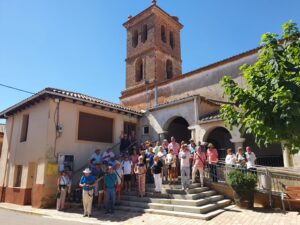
(68, 142)
(159, 119)
(40, 144)
(33, 149)
(4, 155)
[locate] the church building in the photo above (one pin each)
(181, 105)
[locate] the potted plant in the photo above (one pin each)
(243, 184)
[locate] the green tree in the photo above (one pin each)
(268, 106)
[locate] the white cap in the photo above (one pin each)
(87, 170)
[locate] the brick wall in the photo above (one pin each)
(153, 52)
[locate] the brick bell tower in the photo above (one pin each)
(153, 47)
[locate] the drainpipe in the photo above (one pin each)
(155, 94)
(196, 118)
(7, 157)
(56, 122)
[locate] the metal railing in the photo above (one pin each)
(271, 160)
(269, 179)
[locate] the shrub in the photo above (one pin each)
(241, 181)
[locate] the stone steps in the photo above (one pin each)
(191, 209)
(177, 190)
(174, 186)
(179, 208)
(206, 216)
(197, 202)
(194, 196)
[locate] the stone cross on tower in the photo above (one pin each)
(154, 2)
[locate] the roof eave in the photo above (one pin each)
(210, 121)
(98, 104)
(4, 114)
(131, 20)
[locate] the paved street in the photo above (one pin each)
(8, 217)
(235, 216)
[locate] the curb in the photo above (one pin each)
(23, 211)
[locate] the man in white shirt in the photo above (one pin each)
(97, 156)
(127, 171)
(108, 155)
(250, 157)
(184, 156)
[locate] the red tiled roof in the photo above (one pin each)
(185, 99)
(211, 116)
(131, 19)
(54, 92)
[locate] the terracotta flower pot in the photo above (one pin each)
(244, 199)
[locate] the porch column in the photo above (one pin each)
(238, 142)
(287, 159)
(162, 136)
(194, 132)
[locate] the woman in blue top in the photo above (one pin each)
(87, 182)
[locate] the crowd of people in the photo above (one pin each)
(241, 159)
(109, 174)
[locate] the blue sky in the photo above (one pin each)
(80, 45)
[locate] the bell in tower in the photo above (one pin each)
(153, 47)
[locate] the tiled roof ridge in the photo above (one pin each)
(203, 98)
(87, 98)
(68, 94)
(131, 18)
(210, 116)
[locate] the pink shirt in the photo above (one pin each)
(135, 159)
(199, 159)
(212, 155)
(175, 146)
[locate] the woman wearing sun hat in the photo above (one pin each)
(87, 182)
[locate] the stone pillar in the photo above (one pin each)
(194, 131)
(162, 136)
(238, 142)
(296, 160)
(287, 161)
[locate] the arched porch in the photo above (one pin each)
(178, 128)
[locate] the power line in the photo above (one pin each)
(17, 89)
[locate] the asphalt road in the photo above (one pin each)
(8, 217)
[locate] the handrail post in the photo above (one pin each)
(269, 189)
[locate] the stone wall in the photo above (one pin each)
(260, 199)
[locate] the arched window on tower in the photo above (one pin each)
(145, 33)
(135, 38)
(139, 70)
(172, 43)
(169, 69)
(163, 34)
